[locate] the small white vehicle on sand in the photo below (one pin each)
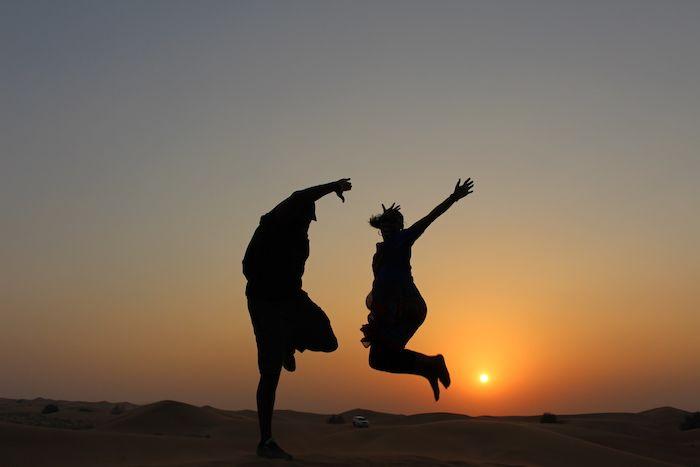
(359, 421)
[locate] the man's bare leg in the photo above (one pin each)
(267, 388)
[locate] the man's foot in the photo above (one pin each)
(289, 363)
(270, 450)
(442, 373)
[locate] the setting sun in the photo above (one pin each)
(484, 378)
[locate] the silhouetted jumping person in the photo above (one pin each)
(284, 317)
(396, 307)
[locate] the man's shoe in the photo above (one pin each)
(270, 450)
(289, 363)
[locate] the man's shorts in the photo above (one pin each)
(282, 326)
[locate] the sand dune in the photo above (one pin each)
(168, 418)
(170, 433)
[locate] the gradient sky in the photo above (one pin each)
(141, 141)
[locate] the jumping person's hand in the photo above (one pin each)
(463, 190)
(342, 185)
(393, 207)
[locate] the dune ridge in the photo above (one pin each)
(171, 433)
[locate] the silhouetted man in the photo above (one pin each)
(284, 317)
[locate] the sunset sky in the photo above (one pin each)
(141, 142)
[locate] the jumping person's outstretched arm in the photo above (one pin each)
(461, 190)
(301, 202)
(315, 193)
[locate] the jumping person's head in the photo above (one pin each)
(389, 222)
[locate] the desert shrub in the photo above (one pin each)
(117, 409)
(50, 408)
(85, 409)
(691, 422)
(548, 418)
(335, 419)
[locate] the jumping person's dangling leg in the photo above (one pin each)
(312, 328)
(393, 357)
(406, 361)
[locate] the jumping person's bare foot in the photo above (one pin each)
(434, 370)
(271, 450)
(443, 373)
(439, 373)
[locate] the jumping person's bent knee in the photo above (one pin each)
(326, 345)
(331, 345)
(377, 360)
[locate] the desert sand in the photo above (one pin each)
(170, 433)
